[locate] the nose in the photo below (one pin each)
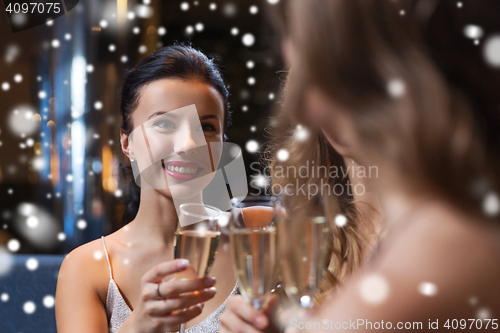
(184, 143)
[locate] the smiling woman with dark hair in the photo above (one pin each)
(124, 282)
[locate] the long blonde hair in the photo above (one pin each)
(442, 132)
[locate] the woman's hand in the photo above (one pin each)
(181, 300)
(241, 317)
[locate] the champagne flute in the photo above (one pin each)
(197, 239)
(304, 237)
(253, 246)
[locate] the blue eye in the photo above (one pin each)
(165, 124)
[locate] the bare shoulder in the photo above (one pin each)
(86, 266)
(446, 238)
(445, 256)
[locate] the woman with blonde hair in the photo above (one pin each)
(409, 86)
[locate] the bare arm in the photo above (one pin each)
(78, 305)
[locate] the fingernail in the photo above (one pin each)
(261, 322)
(183, 263)
(209, 281)
(211, 290)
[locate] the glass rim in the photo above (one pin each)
(203, 217)
(253, 199)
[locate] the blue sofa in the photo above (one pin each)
(23, 285)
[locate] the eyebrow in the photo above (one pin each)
(159, 113)
(210, 116)
(173, 115)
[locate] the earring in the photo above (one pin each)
(131, 159)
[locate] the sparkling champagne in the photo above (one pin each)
(199, 247)
(254, 255)
(302, 251)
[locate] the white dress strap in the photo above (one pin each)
(107, 257)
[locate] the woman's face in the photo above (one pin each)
(178, 128)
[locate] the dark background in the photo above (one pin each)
(59, 183)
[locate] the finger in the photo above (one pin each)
(174, 288)
(160, 271)
(179, 317)
(230, 322)
(271, 306)
(246, 312)
(165, 307)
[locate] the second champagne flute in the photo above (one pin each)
(304, 240)
(252, 239)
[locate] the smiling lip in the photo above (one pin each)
(182, 170)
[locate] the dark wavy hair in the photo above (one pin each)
(179, 61)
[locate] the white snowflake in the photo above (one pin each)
(253, 10)
(283, 155)
(162, 31)
(32, 264)
(427, 289)
(340, 220)
(32, 221)
(49, 301)
(199, 26)
(98, 255)
(81, 224)
(483, 313)
(491, 204)
(29, 307)
(248, 39)
(374, 289)
(184, 6)
(491, 50)
(260, 181)
(396, 88)
(301, 133)
(252, 146)
(13, 245)
(473, 31)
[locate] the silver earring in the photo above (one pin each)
(131, 159)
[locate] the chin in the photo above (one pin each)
(185, 191)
